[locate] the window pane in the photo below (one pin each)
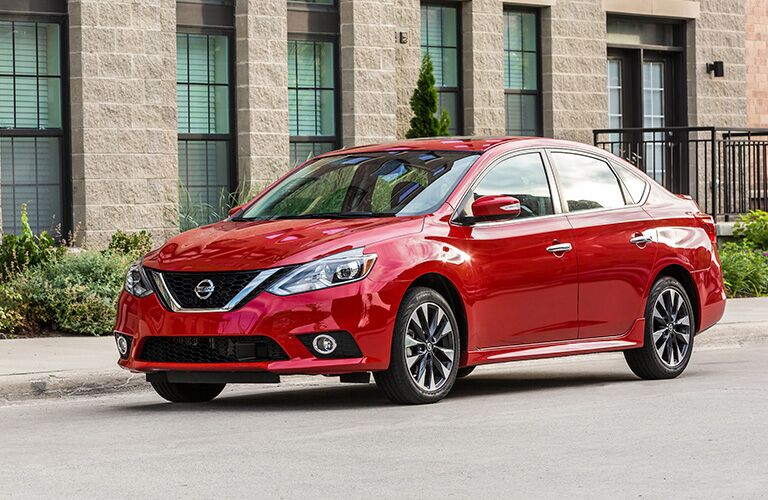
(25, 45)
(303, 151)
(6, 47)
(311, 93)
(439, 39)
(522, 117)
(6, 101)
(26, 102)
(48, 63)
(530, 75)
(634, 184)
(587, 183)
(529, 31)
(449, 101)
(203, 174)
(31, 174)
(523, 177)
(50, 102)
(202, 91)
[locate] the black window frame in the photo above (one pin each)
(520, 92)
(313, 22)
(459, 89)
(201, 12)
(52, 12)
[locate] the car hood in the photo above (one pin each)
(241, 246)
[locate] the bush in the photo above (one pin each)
(75, 294)
(424, 104)
(745, 270)
(133, 244)
(753, 228)
(18, 253)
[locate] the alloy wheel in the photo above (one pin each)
(671, 327)
(430, 352)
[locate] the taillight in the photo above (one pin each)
(708, 223)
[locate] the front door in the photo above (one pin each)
(525, 291)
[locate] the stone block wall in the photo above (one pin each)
(368, 92)
(123, 114)
(261, 31)
(757, 62)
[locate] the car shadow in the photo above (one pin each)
(350, 396)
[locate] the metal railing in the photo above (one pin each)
(724, 170)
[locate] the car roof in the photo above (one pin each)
(473, 144)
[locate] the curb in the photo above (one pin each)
(71, 384)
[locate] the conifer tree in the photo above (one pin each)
(424, 122)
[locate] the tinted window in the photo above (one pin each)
(587, 183)
(634, 184)
(521, 176)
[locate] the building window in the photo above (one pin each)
(521, 74)
(311, 98)
(203, 97)
(31, 131)
(439, 39)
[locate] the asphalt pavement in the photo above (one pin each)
(581, 427)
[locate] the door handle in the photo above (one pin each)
(641, 240)
(560, 248)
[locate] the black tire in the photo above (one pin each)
(464, 372)
(397, 382)
(187, 393)
(647, 362)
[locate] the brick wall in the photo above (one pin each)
(757, 62)
(123, 109)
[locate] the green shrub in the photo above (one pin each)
(745, 270)
(424, 104)
(12, 316)
(753, 228)
(19, 252)
(75, 294)
(134, 244)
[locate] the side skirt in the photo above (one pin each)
(631, 340)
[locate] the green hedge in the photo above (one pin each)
(745, 260)
(60, 289)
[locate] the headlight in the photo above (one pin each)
(136, 281)
(339, 269)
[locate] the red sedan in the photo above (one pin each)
(419, 260)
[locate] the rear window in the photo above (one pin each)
(634, 184)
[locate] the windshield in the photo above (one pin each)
(385, 184)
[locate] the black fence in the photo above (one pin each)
(724, 170)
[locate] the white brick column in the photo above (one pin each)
(123, 111)
(262, 90)
(368, 76)
(483, 27)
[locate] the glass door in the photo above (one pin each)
(654, 114)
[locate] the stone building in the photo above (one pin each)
(116, 113)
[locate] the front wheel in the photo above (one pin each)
(669, 332)
(187, 393)
(425, 350)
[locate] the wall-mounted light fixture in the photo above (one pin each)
(716, 68)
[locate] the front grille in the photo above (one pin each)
(211, 350)
(226, 286)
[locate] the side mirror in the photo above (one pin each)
(496, 208)
(234, 210)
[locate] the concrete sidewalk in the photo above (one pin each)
(64, 366)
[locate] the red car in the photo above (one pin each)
(419, 260)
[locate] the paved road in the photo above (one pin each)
(573, 427)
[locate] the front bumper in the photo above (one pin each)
(366, 309)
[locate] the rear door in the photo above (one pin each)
(526, 290)
(613, 240)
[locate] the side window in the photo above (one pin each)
(634, 184)
(521, 176)
(587, 182)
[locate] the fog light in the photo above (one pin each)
(123, 346)
(324, 344)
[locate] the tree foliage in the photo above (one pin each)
(424, 103)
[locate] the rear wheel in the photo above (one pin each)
(425, 350)
(187, 393)
(669, 332)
